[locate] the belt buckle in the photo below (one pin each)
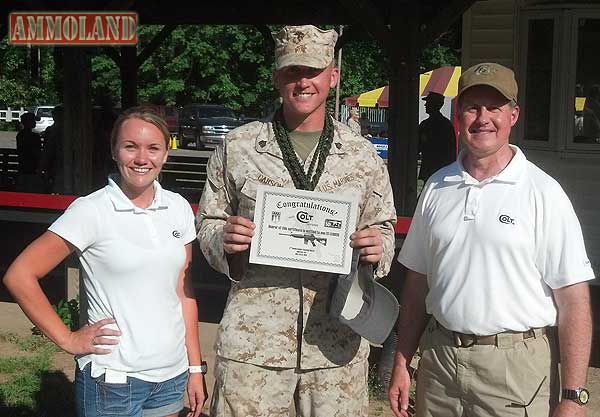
(464, 340)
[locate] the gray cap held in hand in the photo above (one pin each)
(363, 304)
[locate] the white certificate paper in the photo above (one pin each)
(303, 229)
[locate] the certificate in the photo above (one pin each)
(303, 229)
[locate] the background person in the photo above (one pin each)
(364, 124)
(353, 122)
(29, 150)
(133, 240)
(496, 259)
(52, 164)
(591, 115)
(277, 345)
(437, 140)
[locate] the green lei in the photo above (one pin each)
(303, 180)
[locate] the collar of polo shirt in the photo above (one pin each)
(122, 203)
(510, 174)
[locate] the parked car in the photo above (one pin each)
(43, 118)
(170, 114)
(205, 125)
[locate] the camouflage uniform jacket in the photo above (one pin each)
(274, 316)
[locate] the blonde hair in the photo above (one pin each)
(147, 114)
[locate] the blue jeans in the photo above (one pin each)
(135, 398)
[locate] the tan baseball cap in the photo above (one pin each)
(304, 45)
(494, 75)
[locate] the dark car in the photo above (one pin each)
(205, 125)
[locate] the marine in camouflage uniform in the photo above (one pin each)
(276, 341)
(353, 122)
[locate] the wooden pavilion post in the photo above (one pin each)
(403, 116)
(79, 136)
(129, 74)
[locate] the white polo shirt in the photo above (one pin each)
(131, 260)
(494, 250)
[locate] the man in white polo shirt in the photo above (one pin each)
(495, 260)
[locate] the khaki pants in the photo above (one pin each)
(245, 390)
(509, 379)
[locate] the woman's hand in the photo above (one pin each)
(87, 339)
(197, 394)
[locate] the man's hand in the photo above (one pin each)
(568, 408)
(370, 244)
(399, 388)
(237, 234)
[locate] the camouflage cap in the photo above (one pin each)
(305, 45)
(494, 75)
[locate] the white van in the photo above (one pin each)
(43, 118)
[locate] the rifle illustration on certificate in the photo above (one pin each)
(308, 237)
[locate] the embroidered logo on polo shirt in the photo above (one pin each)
(506, 219)
(177, 234)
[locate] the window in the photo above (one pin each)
(587, 82)
(559, 78)
(539, 79)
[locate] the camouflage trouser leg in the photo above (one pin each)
(244, 390)
(335, 392)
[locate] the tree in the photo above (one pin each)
(18, 86)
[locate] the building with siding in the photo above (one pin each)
(553, 48)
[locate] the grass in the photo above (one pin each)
(376, 388)
(22, 374)
(29, 343)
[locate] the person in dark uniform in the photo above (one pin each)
(437, 140)
(29, 149)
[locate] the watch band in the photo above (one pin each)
(198, 369)
(580, 395)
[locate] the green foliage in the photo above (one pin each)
(18, 86)
(364, 67)
(8, 126)
(68, 311)
(444, 51)
(222, 64)
(438, 56)
(208, 64)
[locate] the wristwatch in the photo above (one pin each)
(199, 369)
(580, 395)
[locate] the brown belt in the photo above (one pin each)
(468, 340)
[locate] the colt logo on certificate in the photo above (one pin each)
(303, 229)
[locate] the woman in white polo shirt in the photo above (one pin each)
(140, 349)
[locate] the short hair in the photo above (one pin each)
(147, 114)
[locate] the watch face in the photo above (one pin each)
(584, 396)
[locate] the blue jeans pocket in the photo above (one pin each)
(180, 383)
(113, 399)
